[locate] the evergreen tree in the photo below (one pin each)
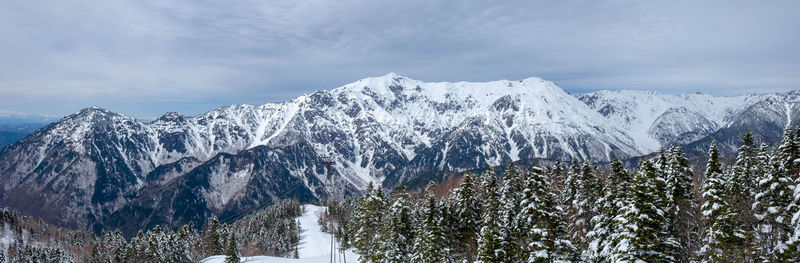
(789, 151)
(642, 223)
(490, 249)
(398, 239)
(743, 183)
(600, 242)
(570, 193)
(429, 246)
(771, 206)
(682, 215)
(543, 220)
(467, 216)
(232, 252)
(556, 177)
(511, 229)
(582, 206)
(213, 241)
(724, 240)
(369, 222)
(491, 196)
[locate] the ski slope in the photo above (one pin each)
(315, 246)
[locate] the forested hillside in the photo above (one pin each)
(659, 212)
(270, 231)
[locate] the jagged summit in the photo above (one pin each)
(172, 117)
(91, 111)
(96, 165)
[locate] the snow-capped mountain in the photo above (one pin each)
(656, 120)
(102, 169)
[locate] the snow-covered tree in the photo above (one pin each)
(600, 242)
(232, 252)
(467, 215)
(582, 191)
(369, 222)
(772, 209)
(682, 215)
(724, 240)
(543, 220)
(511, 229)
(789, 150)
(641, 237)
(490, 247)
(429, 245)
(399, 235)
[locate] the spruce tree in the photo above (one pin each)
(398, 240)
(642, 223)
(369, 222)
(232, 252)
(511, 229)
(582, 206)
(600, 239)
(682, 215)
(429, 246)
(789, 151)
(213, 240)
(723, 240)
(743, 183)
(490, 249)
(771, 206)
(467, 216)
(544, 221)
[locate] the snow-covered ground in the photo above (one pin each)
(315, 246)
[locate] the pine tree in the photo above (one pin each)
(467, 216)
(771, 207)
(398, 240)
(543, 220)
(682, 215)
(213, 240)
(582, 201)
(789, 151)
(600, 239)
(429, 246)
(641, 238)
(724, 240)
(232, 252)
(743, 183)
(511, 229)
(369, 222)
(490, 248)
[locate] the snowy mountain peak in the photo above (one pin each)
(91, 112)
(386, 130)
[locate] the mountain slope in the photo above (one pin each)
(105, 170)
(655, 120)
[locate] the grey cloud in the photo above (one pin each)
(147, 57)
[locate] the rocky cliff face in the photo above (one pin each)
(100, 169)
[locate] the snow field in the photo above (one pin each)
(315, 245)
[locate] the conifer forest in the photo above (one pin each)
(665, 210)
(746, 211)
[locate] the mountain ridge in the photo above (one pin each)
(91, 166)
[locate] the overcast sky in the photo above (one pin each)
(143, 58)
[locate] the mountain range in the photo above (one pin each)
(103, 170)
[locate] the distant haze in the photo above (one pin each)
(144, 58)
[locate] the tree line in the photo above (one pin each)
(270, 231)
(661, 211)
